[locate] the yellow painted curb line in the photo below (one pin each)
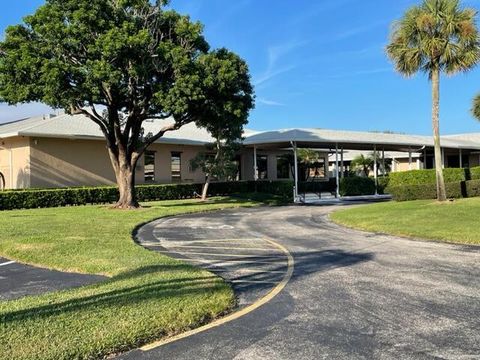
(274, 292)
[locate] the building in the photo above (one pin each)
(65, 151)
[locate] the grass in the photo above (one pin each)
(148, 295)
(453, 222)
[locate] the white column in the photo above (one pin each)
(384, 172)
(295, 166)
(460, 158)
(409, 159)
(342, 164)
(375, 168)
(336, 172)
(443, 158)
(394, 164)
(255, 168)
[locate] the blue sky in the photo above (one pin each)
(316, 64)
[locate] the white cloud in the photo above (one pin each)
(269, 102)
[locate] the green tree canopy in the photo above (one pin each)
(434, 37)
(121, 62)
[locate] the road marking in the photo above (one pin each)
(274, 292)
(252, 281)
(244, 262)
(206, 241)
(7, 263)
(221, 247)
(220, 254)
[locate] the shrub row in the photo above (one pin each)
(358, 185)
(455, 190)
(419, 177)
(29, 199)
(475, 173)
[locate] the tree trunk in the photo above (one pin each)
(125, 175)
(205, 189)
(441, 193)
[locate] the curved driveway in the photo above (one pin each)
(353, 295)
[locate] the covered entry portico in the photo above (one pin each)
(337, 142)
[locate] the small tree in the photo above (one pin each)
(434, 37)
(363, 163)
(120, 63)
(217, 164)
(367, 163)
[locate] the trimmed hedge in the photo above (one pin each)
(472, 188)
(357, 186)
(30, 199)
(419, 177)
(455, 190)
(475, 173)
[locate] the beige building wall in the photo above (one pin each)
(163, 156)
(14, 162)
(64, 162)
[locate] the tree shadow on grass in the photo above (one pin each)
(121, 293)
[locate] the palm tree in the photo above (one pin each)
(434, 37)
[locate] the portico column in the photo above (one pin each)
(409, 159)
(460, 158)
(255, 168)
(337, 178)
(375, 168)
(295, 166)
(383, 163)
(443, 158)
(342, 164)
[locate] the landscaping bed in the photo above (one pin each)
(148, 296)
(453, 221)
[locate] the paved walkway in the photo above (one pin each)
(353, 295)
(18, 280)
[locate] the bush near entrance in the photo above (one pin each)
(421, 184)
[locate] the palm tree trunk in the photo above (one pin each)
(441, 193)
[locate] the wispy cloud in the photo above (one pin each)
(362, 72)
(269, 102)
(359, 30)
(275, 54)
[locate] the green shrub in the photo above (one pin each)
(419, 177)
(317, 186)
(455, 190)
(280, 188)
(383, 184)
(357, 186)
(30, 199)
(472, 188)
(475, 173)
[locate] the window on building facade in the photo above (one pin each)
(318, 169)
(262, 166)
(149, 166)
(283, 167)
(176, 167)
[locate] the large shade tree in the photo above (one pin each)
(120, 63)
(437, 36)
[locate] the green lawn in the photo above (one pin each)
(454, 222)
(148, 295)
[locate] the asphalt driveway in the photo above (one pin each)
(353, 295)
(18, 280)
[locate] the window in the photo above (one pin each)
(262, 167)
(176, 167)
(149, 166)
(318, 169)
(283, 167)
